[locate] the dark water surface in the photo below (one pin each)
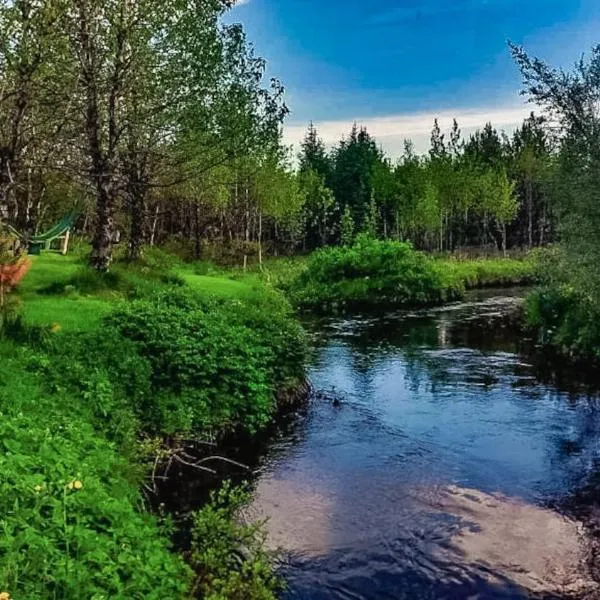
(437, 474)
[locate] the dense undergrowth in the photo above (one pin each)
(565, 317)
(375, 273)
(81, 405)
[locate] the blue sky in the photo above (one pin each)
(395, 64)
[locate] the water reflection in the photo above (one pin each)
(437, 466)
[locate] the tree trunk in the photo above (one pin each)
(529, 187)
(197, 245)
(154, 226)
(101, 255)
(136, 234)
(260, 232)
(247, 229)
(543, 223)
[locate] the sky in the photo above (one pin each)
(395, 65)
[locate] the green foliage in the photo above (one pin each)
(69, 501)
(75, 405)
(347, 227)
(565, 320)
(566, 311)
(371, 273)
(480, 273)
(564, 315)
(228, 555)
(214, 365)
(319, 208)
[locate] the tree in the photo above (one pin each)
(347, 227)
(34, 100)
(355, 160)
(319, 209)
(571, 101)
(313, 156)
(531, 154)
(108, 40)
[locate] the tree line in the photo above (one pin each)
(155, 118)
(487, 190)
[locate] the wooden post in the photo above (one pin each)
(65, 243)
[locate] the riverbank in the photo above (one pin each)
(387, 274)
(107, 383)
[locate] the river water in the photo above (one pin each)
(432, 462)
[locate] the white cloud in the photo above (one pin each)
(391, 131)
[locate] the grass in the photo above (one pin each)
(76, 310)
(218, 286)
(487, 272)
(73, 313)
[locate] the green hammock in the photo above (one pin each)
(58, 230)
(43, 240)
(61, 229)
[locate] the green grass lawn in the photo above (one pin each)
(77, 313)
(83, 312)
(219, 286)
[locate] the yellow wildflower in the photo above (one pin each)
(54, 328)
(77, 485)
(4, 596)
(37, 488)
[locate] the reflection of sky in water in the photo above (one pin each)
(429, 400)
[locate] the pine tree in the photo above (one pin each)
(313, 156)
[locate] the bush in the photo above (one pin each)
(71, 417)
(229, 556)
(482, 272)
(565, 320)
(371, 273)
(214, 365)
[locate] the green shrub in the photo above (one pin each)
(566, 320)
(482, 272)
(371, 273)
(69, 501)
(73, 407)
(108, 375)
(214, 365)
(229, 556)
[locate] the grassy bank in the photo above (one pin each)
(96, 374)
(373, 273)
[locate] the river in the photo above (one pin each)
(433, 462)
